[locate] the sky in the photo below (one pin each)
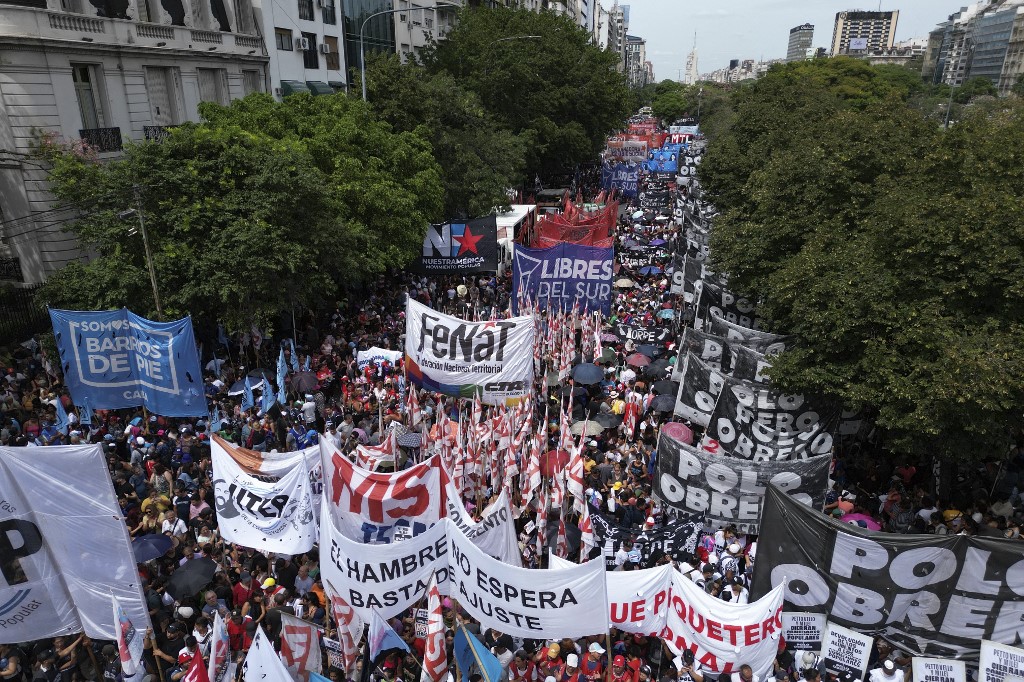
(755, 29)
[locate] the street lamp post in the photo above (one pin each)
(362, 27)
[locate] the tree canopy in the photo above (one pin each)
(889, 246)
(480, 159)
(262, 207)
(541, 76)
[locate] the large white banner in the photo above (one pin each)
(387, 577)
(379, 507)
(1000, 663)
(723, 635)
(64, 546)
(272, 513)
(523, 602)
(637, 600)
(495, 533)
(377, 356)
(939, 670)
(449, 355)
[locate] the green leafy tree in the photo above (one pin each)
(480, 159)
(888, 246)
(263, 207)
(541, 76)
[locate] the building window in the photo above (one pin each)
(213, 85)
(310, 59)
(328, 13)
(305, 10)
(88, 94)
(333, 57)
(283, 39)
(162, 88)
(251, 81)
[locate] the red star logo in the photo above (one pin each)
(467, 242)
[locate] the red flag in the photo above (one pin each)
(196, 669)
(435, 659)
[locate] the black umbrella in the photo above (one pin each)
(608, 420)
(149, 547)
(649, 350)
(587, 373)
(666, 387)
(190, 578)
(304, 382)
(410, 440)
(656, 368)
(663, 403)
(256, 379)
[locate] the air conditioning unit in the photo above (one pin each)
(325, 48)
(277, 92)
(302, 43)
(401, 17)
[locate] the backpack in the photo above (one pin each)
(903, 521)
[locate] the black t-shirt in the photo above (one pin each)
(255, 563)
(286, 577)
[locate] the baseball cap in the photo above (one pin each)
(596, 648)
(572, 660)
(734, 548)
(809, 658)
(650, 521)
(619, 660)
(269, 582)
(554, 650)
(889, 666)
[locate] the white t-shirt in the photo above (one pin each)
(878, 675)
(176, 527)
(309, 411)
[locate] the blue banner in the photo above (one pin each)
(115, 359)
(563, 275)
(664, 160)
(624, 177)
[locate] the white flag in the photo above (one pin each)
(262, 663)
(220, 666)
(130, 642)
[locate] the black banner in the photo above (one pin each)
(634, 260)
(712, 350)
(676, 541)
(748, 365)
(639, 335)
(698, 390)
(654, 199)
(728, 490)
(753, 421)
(470, 246)
(716, 300)
(931, 595)
(754, 339)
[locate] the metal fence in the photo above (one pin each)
(21, 315)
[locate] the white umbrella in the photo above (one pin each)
(638, 215)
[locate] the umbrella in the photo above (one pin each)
(666, 387)
(256, 379)
(638, 360)
(650, 270)
(678, 431)
(862, 520)
(410, 440)
(663, 403)
(553, 461)
(658, 242)
(608, 338)
(649, 350)
(630, 243)
(666, 314)
(608, 420)
(593, 428)
(657, 368)
(637, 215)
(580, 390)
(190, 578)
(304, 382)
(149, 547)
(625, 283)
(553, 379)
(587, 373)
(608, 354)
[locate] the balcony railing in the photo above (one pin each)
(102, 139)
(156, 133)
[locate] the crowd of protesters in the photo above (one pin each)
(161, 472)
